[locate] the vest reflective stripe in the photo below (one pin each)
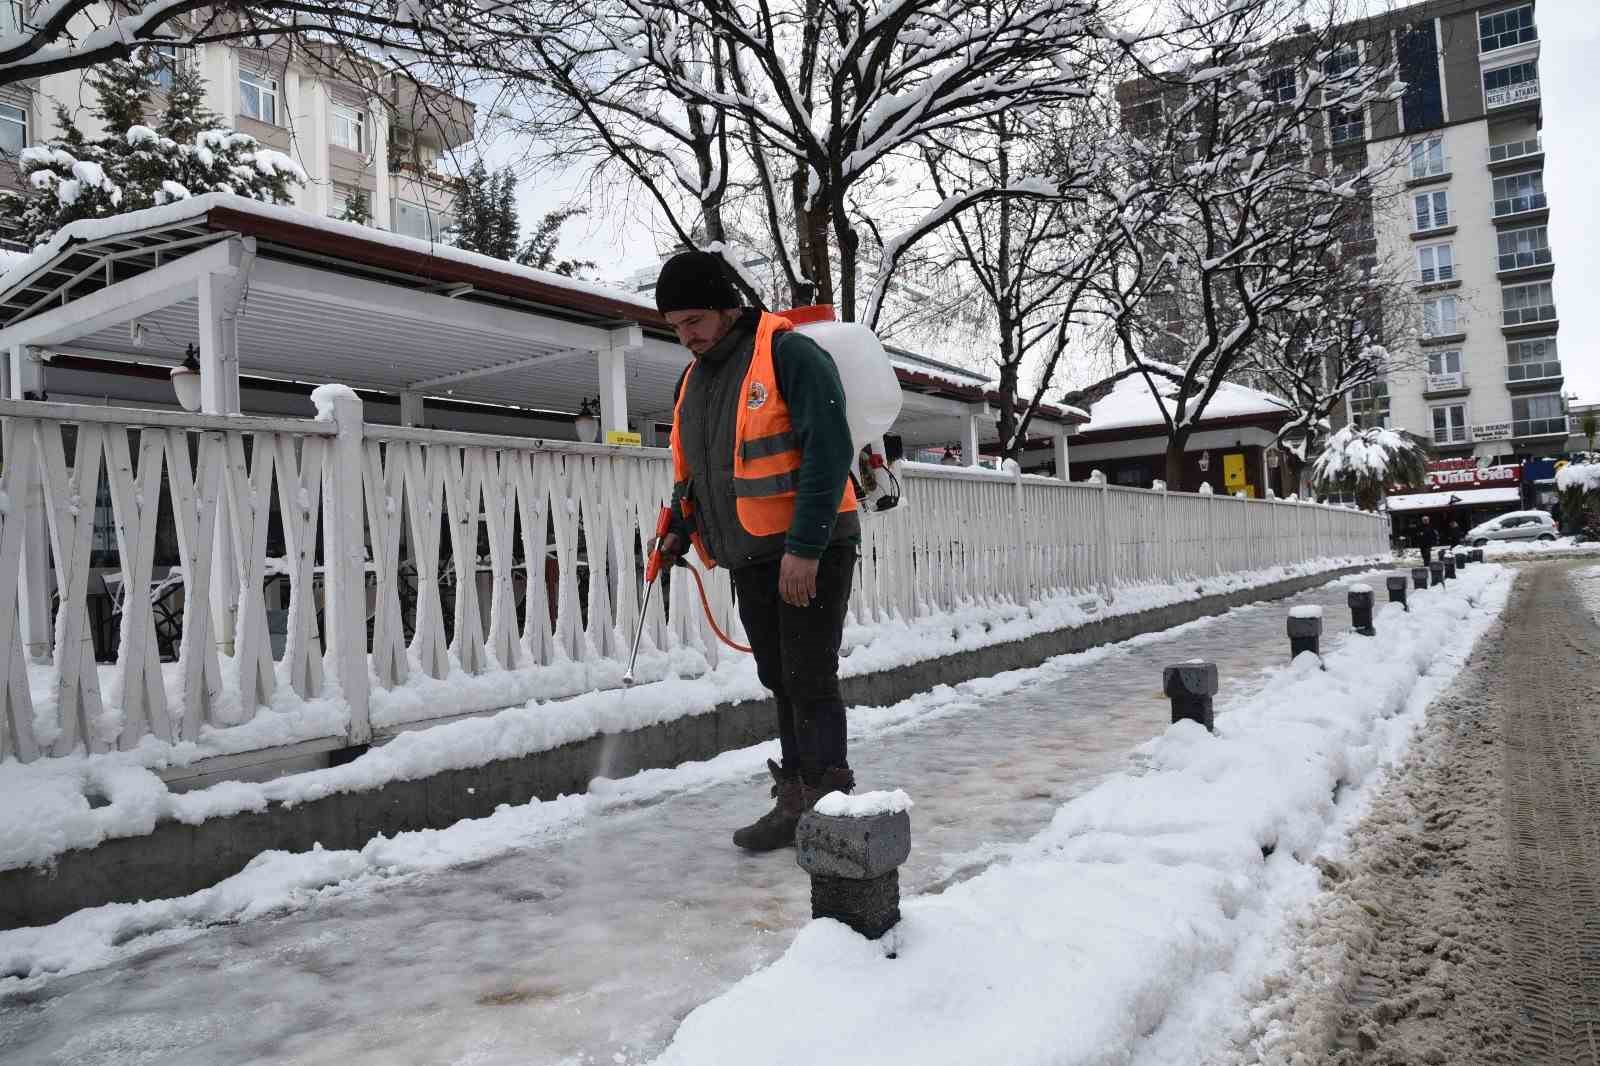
(772, 485)
(766, 452)
(766, 447)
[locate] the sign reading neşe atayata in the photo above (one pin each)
(1467, 474)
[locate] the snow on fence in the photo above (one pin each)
(163, 573)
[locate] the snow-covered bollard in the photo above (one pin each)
(1436, 572)
(852, 846)
(1361, 603)
(1449, 567)
(1397, 589)
(1305, 631)
(1190, 687)
(1419, 576)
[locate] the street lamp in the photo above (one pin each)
(186, 379)
(587, 424)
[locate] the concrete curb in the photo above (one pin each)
(177, 859)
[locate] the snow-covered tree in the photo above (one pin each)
(486, 213)
(1365, 462)
(1244, 163)
(541, 251)
(357, 209)
(134, 166)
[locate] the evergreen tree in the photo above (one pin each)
(357, 209)
(541, 252)
(133, 166)
(507, 227)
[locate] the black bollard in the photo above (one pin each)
(1190, 687)
(1419, 576)
(1477, 555)
(1361, 600)
(1462, 559)
(1449, 567)
(1397, 589)
(1436, 570)
(854, 861)
(1305, 631)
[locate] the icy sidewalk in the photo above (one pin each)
(586, 928)
(1138, 925)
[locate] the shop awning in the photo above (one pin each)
(1437, 501)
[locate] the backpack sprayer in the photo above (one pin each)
(872, 403)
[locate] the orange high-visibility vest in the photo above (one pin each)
(766, 452)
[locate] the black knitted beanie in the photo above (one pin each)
(694, 281)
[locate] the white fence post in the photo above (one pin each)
(345, 557)
(1166, 532)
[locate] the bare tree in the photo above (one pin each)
(1236, 189)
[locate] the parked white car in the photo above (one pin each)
(1518, 525)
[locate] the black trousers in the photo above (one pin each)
(797, 656)
(1427, 554)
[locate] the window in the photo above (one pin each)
(164, 57)
(1436, 262)
(1522, 248)
(1344, 60)
(413, 220)
(1369, 405)
(1427, 158)
(1517, 193)
(1506, 29)
(1280, 86)
(1439, 317)
(346, 128)
(258, 97)
(1145, 119)
(1444, 362)
(13, 131)
(339, 197)
(1422, 105)
(1449, 423)
(1522, 304)
(1533, 360)
(1536, 416)
(1515, 84)
(1432, 210)
(1346, 125)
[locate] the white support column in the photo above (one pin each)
(969, 442)
(220, 294)
(412, 410)
(1059, 442)
(26, 374)
(378, 122)
(613, 362)
(345, 555)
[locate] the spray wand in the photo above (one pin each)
(652, 570)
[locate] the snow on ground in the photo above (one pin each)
(1587, 582)
(1139, 925)
(56, 804)
(1511, 550)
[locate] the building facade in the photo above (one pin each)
(1472, 221)
(356, 131)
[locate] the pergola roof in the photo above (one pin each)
(320, 300)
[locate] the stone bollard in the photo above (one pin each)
(1477, 555)
(1436, 569)
(1190, 687)
(1361, 601)
(1397, 589)
(1419, 576)
(1449, 567)
(852, 846)
(1305, 631)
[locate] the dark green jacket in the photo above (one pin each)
(809, 384)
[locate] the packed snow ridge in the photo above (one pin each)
(866, 805)
(1306, 611)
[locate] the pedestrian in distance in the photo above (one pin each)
(1453, 534)
(761, 454)
(1426, 539)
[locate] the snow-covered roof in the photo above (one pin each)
(1430, 501)
(1125, 401)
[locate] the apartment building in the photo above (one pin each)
(353, 130)
(1473, 220)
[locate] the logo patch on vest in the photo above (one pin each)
(758, 396)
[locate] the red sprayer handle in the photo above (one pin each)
(652, 568)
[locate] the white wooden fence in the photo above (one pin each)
(375, 526)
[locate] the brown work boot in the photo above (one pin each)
(833, 779)
(775, 829)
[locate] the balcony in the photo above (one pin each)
(1448, 383)
(1449, 437)
(1511, 95)
(1540, 427)
(1516, 151)
(1432, 223)
(1429, 169)
(1491, 431)
(1520, 205)
(1529, 315)
(1436, 275)
(1523, 259)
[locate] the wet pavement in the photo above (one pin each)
(592, 947)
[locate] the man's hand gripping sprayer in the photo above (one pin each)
(653, 566)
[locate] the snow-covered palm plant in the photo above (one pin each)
(1365, 462)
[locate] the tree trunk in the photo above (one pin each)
(811, 247)
(1176, 443)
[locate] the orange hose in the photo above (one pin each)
(705, 603)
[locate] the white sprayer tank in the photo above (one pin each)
(871, 390)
